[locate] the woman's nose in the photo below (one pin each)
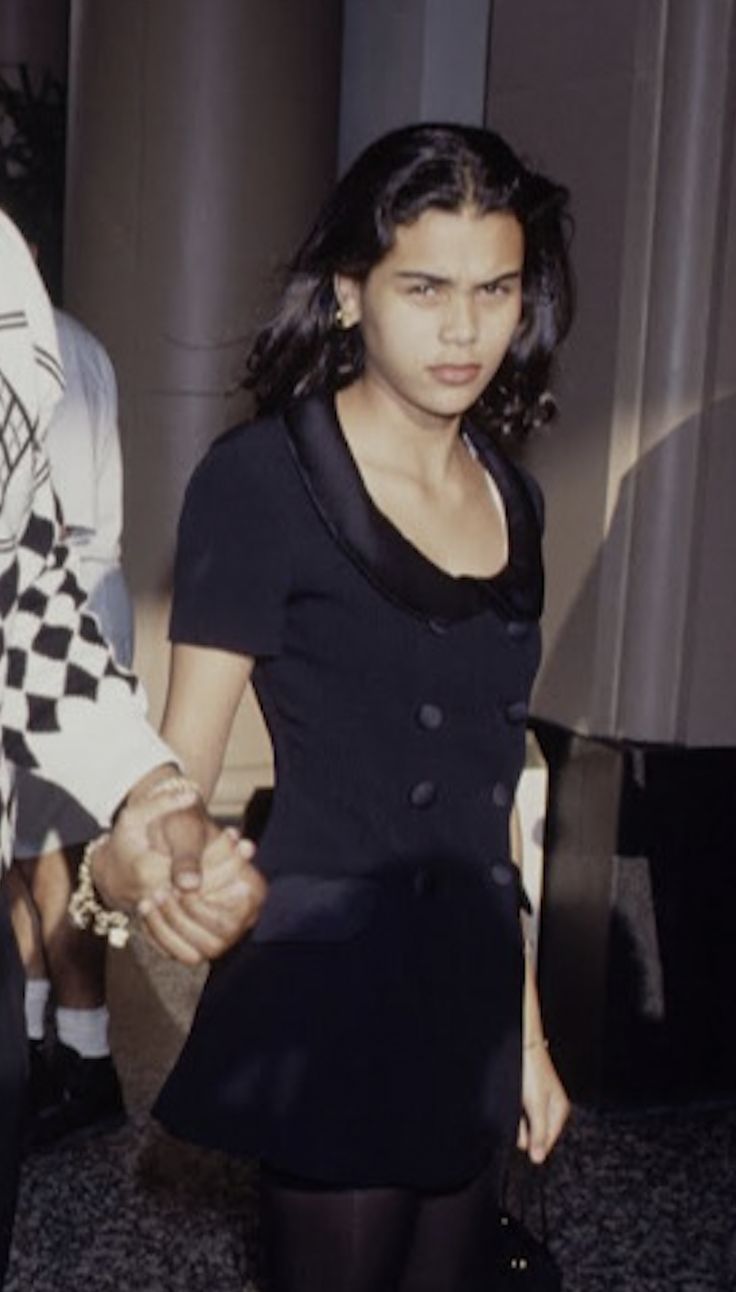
(459, 322)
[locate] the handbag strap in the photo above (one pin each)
(530, 1191)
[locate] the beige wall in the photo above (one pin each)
(202, 139)
(632, 105)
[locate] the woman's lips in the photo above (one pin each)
(455, 374)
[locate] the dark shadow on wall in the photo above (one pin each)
(613, 799)
(646, 518)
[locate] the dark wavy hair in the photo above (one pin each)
(302, 351)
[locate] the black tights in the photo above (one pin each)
(377, 1240)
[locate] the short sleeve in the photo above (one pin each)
(232, 566)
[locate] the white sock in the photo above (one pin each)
(38, 991)
(84, 1030)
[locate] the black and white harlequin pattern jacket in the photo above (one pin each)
(66, 708)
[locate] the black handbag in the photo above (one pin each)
(522, 1261)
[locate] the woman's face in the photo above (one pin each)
(438, 313)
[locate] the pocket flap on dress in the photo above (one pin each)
(307, 908)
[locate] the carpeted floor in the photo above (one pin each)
(642, 1203)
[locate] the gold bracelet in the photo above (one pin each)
(86, 911)
(533, 1045)
(173, 785)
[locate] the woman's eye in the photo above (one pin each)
(504, 288)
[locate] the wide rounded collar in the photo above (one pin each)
(392, 563)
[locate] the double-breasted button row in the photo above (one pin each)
(424, 793)
(429, 717)
(424, 880)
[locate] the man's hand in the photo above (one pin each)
(192, 884)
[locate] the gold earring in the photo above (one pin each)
(340, 317)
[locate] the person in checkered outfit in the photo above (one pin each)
(70, 712)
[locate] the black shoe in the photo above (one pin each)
(86, 1099)
(44, 1086)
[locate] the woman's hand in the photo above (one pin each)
(545, 1103)
(202, 924)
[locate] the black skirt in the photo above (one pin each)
(381, 1049)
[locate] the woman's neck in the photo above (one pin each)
(386, 435)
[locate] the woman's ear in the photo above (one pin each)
(348, 298)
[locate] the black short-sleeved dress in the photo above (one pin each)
(368, 1031)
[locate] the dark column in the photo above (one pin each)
(202, 138)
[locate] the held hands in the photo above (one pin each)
(546, 1105)
(191, 883)
(200, 921)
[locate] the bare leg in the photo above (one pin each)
(76, 959)
(74, 1084)
(26, 924)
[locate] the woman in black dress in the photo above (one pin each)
(366, 554)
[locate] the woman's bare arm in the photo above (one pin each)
(205, 689)
(544, 1100)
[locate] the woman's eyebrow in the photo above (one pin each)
(439, 280)
(507, 274)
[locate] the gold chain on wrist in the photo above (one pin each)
(173, 785)
(86, 911)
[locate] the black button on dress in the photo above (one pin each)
(368, 1031)
(430, 717)
(423, 794)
